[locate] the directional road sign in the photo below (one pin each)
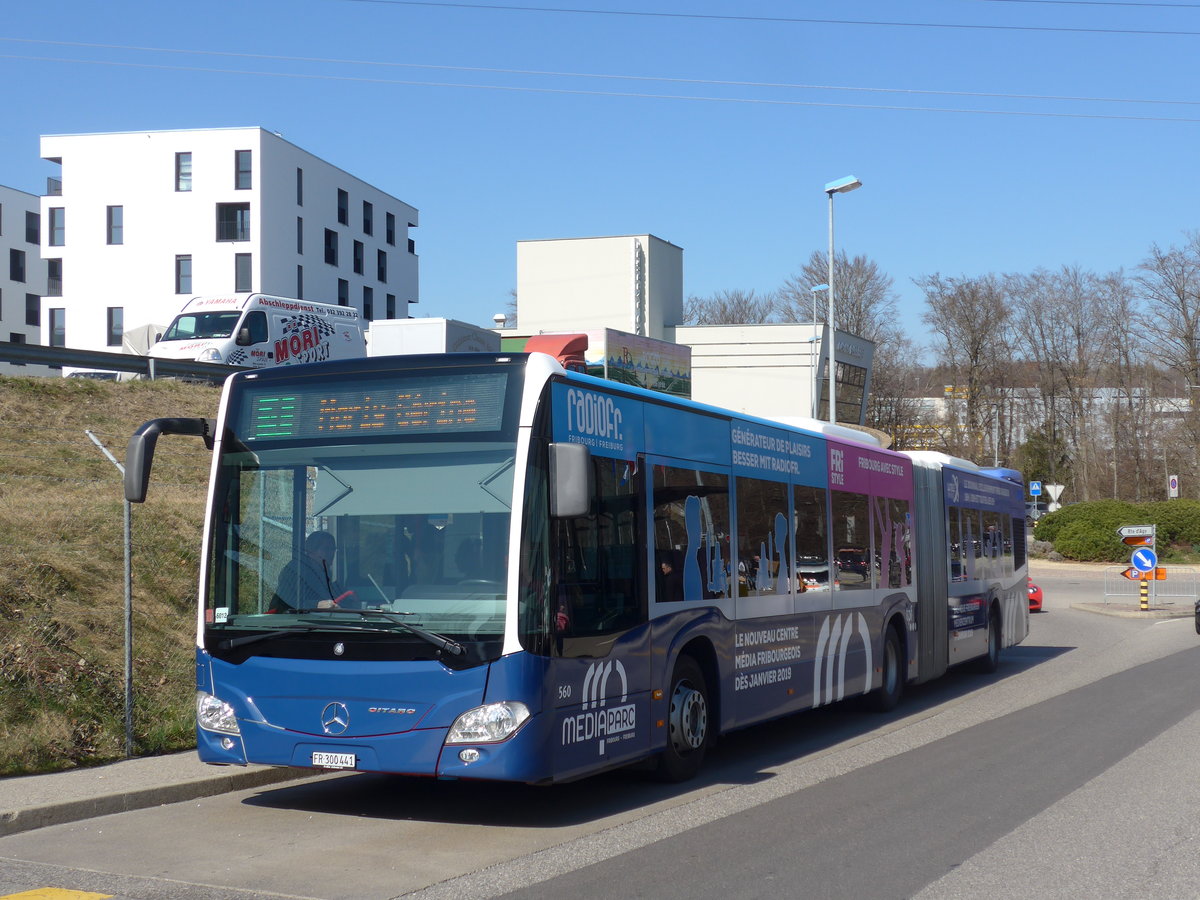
(1144, 559)
(1137, 535)
(1135, 531)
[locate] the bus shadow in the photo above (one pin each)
(740, 758)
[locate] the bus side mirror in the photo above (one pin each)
(139, 456)
(243, 337)
(571, 480)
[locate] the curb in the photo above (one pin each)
(14, 821)
(1135, 611)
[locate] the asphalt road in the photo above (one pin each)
(1067, 774)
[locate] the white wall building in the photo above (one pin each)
(145, 220)
(631, 283)
(22, 274)
(767, 369)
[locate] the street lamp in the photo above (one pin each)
(816, 289)
(841, 186)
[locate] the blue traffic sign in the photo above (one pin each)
(1035, 489)
(1144, 559)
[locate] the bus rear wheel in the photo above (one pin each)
(990, 661)
(886, 697)
(687, 721)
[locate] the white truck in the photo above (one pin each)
(261, 331)
(393, 337)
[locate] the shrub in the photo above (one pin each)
(1088, 531)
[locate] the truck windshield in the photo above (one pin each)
(396, 539)
(202, 325)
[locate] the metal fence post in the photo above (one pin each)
(128, 603)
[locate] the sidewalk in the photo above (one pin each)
(35, 801)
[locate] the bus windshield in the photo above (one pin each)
(202, 325)
(396, 537)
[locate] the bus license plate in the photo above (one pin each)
(333, 760)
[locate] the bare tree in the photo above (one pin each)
(1060, 326)
(1134, 382)
(730, 307)
(1170, 285)
(970, 322)
(899, 386)
(864, 305)
(864, 301)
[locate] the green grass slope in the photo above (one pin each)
(61, 572)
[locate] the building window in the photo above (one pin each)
(299, 235)
(299, 282)
(33, 228)
(233, 221)
(183, 274)
(58, 328)
(368, 303)
(299, 186)
(381, 265)
(390, 224)
(16, 265)
(331, 248)
(53, 279)
(58, 226)
(368, 218)
(391, 306)
(241, 170)
(358, 258)
(116, 325)
(412, 246)
(183, 171)
(343, 207)
(33, 310)
(343, 292)
(116, 224)
(241, 272)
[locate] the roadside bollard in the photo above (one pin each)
(1145, 594)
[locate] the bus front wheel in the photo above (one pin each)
(687, 722)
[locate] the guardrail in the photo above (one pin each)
(1181, 585)
(58, 357)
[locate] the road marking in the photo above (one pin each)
(55, 894)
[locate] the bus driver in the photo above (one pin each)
(306, 582)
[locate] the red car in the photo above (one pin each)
(1035, 597)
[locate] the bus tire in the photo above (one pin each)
(990, 661)
(687, 721)
(887, 696)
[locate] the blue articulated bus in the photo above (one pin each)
(486, 566)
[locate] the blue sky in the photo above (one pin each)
(990, 135)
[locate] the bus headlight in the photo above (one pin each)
(212, 354)
(488, 724)
(214, 714)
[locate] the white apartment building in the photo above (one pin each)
(22, 275)
(140, 222)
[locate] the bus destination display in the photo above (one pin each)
(425, 404)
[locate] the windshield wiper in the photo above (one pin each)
(245, 639)
(454, 648)
(262, 636)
